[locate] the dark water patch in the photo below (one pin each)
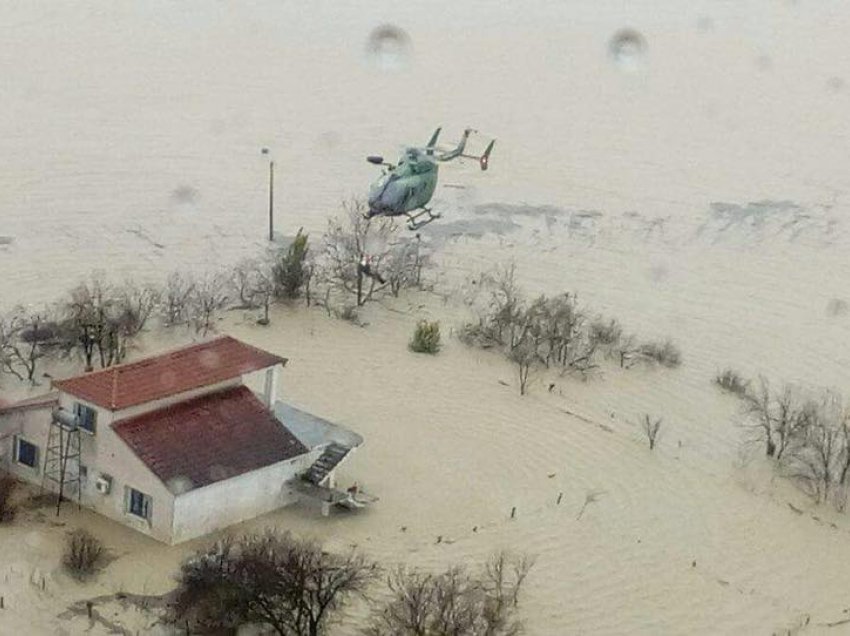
(471, 228)
(577, 222)
(762, 217)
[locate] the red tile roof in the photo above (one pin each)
(208, 439)
(170, 373)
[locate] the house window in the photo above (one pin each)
(26, 453)
(86, 417)
(138, 503)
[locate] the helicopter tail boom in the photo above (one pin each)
(484, 159)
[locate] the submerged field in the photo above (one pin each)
(700, 196)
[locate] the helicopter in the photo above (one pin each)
(407, 187)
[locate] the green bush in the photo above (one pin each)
(291, 272)
(426, 338)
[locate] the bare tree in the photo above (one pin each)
(135, 304)
(455, 601)
(777, 419)
(524, 355)
(757, 404)
(25, 337)
(508, 314)
(292, 586)
(351, 241)
(627, 349)
(651, 428)
(207, 299)
(243, 281)
(97, 322)
(818, 455)
(176, 299)
(264, 286)
(403, 264)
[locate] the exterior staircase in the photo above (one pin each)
(329, 459)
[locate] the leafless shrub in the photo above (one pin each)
(348, 313)
(84, 554)
(264, 287)
(731, 381)
(176, 299)
(242, 281)
(651, 428)
(272, 578)
(606, 333)
(553, 331)
(207, 299)
(477, 334)
(456, 601)
(8, 484)
(664, 353)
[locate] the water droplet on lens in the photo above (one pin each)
(628, 49)
(388, 47)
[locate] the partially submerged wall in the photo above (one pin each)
(224, 503)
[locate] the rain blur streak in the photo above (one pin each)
(389, 48)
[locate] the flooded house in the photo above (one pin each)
(176, 445)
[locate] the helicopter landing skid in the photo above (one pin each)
(413, 222)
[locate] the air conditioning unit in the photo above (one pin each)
(103, 484)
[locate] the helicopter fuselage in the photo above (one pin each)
(405, 187)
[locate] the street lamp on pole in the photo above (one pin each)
(265, 151)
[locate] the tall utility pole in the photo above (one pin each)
(265, 151)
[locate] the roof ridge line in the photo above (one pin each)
(124, 365)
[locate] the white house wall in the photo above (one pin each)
(32, 425)
(224, 503)
(103, 452)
